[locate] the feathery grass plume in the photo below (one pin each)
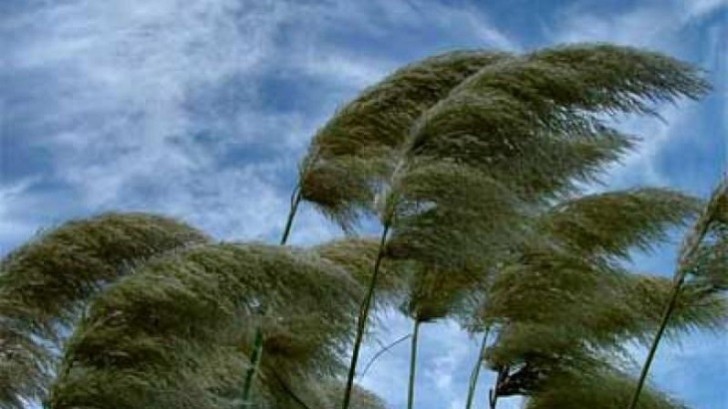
(361, 398)
(204, 376)
(623, 79)
(550, 324)
(602, 387)
(357, 147)
(612, 223)
(551, 307)
(570, 267)
(707, 231)
(45, 284)
(357, 254)
(159, 321)
(504, 132)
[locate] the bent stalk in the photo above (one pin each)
(258, 342)
(413, 364)
(362, 320)
(476, 370)
(254, 363)
(653, 348)
(381, 352)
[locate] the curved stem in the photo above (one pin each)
(258, 342)
(362, 320)
(381, 352)
(476, 370)
(413, 365)
(653, 348)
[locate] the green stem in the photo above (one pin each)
(653, 348)
(362, 320)
(254, 363)
(413, 365)
(382, 351)
(258, 342)
(295, 201)
(476, 370)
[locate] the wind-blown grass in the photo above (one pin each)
(467, 168)
(45, 284)
(563, 297)
(178, 312)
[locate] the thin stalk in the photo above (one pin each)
(289, 391)
(689, 247)
(653, 348)
(493, 392)
(362, 320)
(254, 363)
(295, 201)
(476, 370)
(413, 365)
(258, 342)
(381, 352)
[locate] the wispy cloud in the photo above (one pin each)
(138, 101)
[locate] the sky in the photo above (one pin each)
(202, 110)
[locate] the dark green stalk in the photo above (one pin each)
(295, 201)
(413, 365)
(258, 342)
(493, 393)
(362, 320)
(653, 348)
(254, 363)
(476, 370)
(289, 391)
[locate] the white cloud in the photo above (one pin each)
(13, 228)
(657, 26)
(701, 8)
(123, 74)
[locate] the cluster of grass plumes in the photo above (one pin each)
(162, 319)
(462, 178)
(596, 387)
(564, 308)
(45, 284)
(357, 147)
(487, 110)
(357, 254)
(472, 162)
(202, 377)
(613, 223)
(563, 301)
(361, 398)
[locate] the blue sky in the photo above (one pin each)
(202, 109)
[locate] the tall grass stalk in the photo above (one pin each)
(476, 370)
(413, 365)
(363, 316)
(258, 342)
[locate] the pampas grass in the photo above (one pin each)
(45, 286)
